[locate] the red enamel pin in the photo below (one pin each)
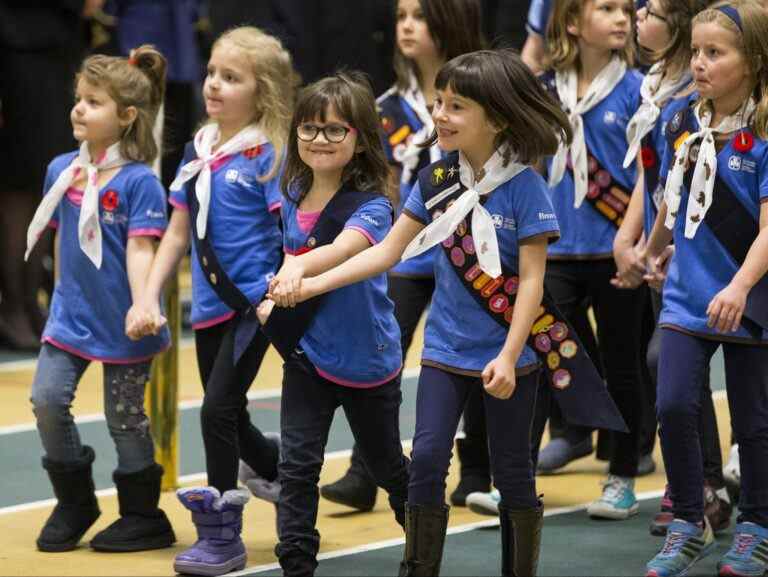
(110, 200)
(252, 152)
(743, 141)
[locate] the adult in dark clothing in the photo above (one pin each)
(41, 45)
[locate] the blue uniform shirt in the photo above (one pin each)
(538, 16)
(87, 314)
(459, 334)
(242, 228)
(394, 140)
(585, 232)
(354, 339)
(701, 266)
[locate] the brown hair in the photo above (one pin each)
(563, 47)
(455, 27)
(512, 97)
(137, 81)
(753, 44)
(350, 96)
(676, 55)
(276, 83)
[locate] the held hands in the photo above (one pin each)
(264, 310)
(285, 287)
(657, 268)
(630, 266)
(499, 377)
(143, 319)
(725, 310)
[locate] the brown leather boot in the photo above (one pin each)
(425, 529)
(520, 540)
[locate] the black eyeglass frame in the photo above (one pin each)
(319, 129)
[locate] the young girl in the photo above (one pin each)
(428, 33)
(591, 52)
(227, 198)
(350, 354)
(664, 32)
(493, 119)
(714, 207)
(107, 206)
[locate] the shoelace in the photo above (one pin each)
(612, 489)
(674, 541)
(743, 542)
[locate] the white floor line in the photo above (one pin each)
(451, 531)
(183, 480)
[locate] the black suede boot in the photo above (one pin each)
(355, 489)
(520, 540)
(141, 526)
(425, 529)
(77, 508)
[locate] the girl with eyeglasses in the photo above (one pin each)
(349, 355)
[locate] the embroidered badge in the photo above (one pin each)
(559, 331)
(452, 171)
(110, 200)
(561, 379)
(231, 175)
(468, 244)
(542, 343)
(676, 122)
(609, 117)
(498, 303)
(553, 360)
(457, 256)
(311, 242)
(387, 124)
(399, 135)
(734, 163)
(568, 349)
(438, 175)
(252, 152)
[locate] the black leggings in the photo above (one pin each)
(228, 434)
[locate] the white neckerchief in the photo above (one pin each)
(703, 183)
(567, 89)
(654, 92)
(88, 226)
(483, 230)
(205, 139)
(410, 156)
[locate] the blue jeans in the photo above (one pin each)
(53, 391)
(307, 407)
(440, 401)
(683, 369)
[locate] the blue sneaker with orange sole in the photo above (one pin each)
(685, 544)
(748, 555)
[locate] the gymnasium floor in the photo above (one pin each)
(352, 544)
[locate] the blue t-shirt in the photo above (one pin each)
(701, 266)
(585, 232)
(87, 313)
(459, 334)
(353, 339)
(393, 106)
(243, 229)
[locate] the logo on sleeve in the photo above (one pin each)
(369, 219)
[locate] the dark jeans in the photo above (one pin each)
(619, 317)
(228, 434)
(440, 401)
(53, 390)
(683, 365)
(307, 408)
(708, 430)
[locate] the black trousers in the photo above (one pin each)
(228, 434)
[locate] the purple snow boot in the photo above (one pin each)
(219, 521)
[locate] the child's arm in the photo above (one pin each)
(138, 261)
(144, 316)
(726, 309)
(370, 262)
(630, 269)
(499, 374)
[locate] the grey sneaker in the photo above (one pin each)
(259, 486)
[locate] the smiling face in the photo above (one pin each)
(652, 29)
(230, 87)
(604, 24)
(412, 31)
(94, 116)
(320, 154)
(718, 65)
(462, 124)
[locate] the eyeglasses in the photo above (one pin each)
(651, 12)
(334, 133)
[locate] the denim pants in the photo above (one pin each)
(53, 391)
(440, 401)
(683, 367)
(307, 409)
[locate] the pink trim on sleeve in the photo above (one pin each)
(175, 203)
(362, 231)
(158, 232)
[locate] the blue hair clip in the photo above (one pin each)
(732, 13)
